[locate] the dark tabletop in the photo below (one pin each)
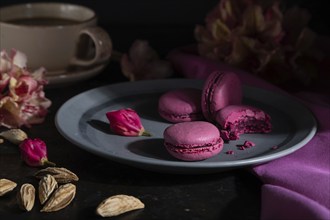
(233, 194)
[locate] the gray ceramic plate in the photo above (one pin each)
(83, 122)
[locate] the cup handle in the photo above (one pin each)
(103, 47)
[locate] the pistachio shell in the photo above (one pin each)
(118, 204)
(6, 186)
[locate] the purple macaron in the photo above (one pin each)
(242, 119)
(220, 89)
(181, 105)
(193, 141)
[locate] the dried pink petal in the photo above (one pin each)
(14, 59)
(22, 98)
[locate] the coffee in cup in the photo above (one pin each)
(56, 36)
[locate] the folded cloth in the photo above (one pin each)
(296, 186)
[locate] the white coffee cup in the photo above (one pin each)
(56, 36)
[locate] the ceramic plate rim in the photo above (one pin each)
(180, 166)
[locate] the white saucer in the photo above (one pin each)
(73, 76)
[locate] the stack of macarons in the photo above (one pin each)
(203, 118)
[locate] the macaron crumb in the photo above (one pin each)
(274, 147)
(246, 145)
(242, 147)
(230, 152)
(249, 144)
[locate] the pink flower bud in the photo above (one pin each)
(34, 152)
(126, 122)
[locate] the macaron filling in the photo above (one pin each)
(184, 117)
(188, 147)
(188, 152)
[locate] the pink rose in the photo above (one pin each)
(126, 122)
(22, 97)
(260, 38)
(34, 152)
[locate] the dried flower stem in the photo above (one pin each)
(46, 162)
(147, 134)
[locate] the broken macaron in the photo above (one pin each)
(234, 120)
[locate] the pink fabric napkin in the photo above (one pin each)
(296, 186)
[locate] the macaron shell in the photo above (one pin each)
(192, 141)
(191, 134)
(181, 105)
(220, 90)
